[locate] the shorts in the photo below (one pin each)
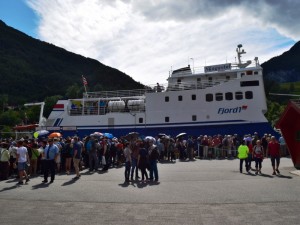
(21, 166)
(275, 158)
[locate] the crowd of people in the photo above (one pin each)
(27, 158)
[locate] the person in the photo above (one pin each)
(127, 155)
(4, 162)
(153, 157)
(274, 151)
(77, 150)
(143, 161)
(134, 158)
(249, 160)
(92, 151)
(283, 148)
(23, 161)
(258, 155)
(68, 154)
(34, 158)
(58, 157)
(243, 151)
(51, 152)
(13, 158)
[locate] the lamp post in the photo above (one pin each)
(193, 65)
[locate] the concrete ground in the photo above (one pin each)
(195, 192)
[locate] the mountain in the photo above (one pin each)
(284, 68)
(31, 70)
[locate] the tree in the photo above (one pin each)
(10, 118)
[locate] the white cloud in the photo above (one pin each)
(145, 40)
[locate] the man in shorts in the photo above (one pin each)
(23, 160)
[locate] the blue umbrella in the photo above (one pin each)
(40, 133)
(108, 135)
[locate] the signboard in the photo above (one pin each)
(220, 67)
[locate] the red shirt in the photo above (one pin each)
(274, 149)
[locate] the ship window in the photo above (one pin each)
(242, 74)
(249, 83)
(219, 96)
(167, 99)
(238, 95)
(227, 77)
(167, 119)
(180, 98)
(179, 81)
(249, 72)
(193, 97)
(194, 118)
(198, 79)
(209, 97)
(249, 95)
(228, 96)
(255, 72)
(141, 120)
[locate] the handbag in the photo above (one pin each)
(103, 161)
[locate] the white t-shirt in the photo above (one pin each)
(21, 151)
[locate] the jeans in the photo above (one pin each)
(153, 170)
(93, 161)
(241, 164)
(127, 170)
(248, 162)
(134, 166)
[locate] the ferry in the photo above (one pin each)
(217, 99)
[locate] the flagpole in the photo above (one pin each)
(84, 84)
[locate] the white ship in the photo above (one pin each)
(221, 99)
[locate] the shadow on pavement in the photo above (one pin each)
(10, 188)
(70, 182)
(41, 185)
(266, 175)
(282, 176)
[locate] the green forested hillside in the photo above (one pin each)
(31, 70)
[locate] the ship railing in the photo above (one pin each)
(201, 69)
(90, 111)
(140, 93)
(117, 93)
(195, 85)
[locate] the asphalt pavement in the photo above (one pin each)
(190, 192)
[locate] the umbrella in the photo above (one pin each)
(108, 135)
(150, 138)
(132, 135)
(97, 134)
(54, 134)
(160, 135)
(180, 135)
(40, 133)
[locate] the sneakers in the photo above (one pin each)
(274, 173)
(256, 173)
(45, 181)
(27, 180)
(277, 171)
(20, 182)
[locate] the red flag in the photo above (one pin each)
(84, 81)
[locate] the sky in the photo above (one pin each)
(147, 38)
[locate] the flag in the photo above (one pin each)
(84, 81)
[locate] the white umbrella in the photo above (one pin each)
(150, 138)
(180, 135)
